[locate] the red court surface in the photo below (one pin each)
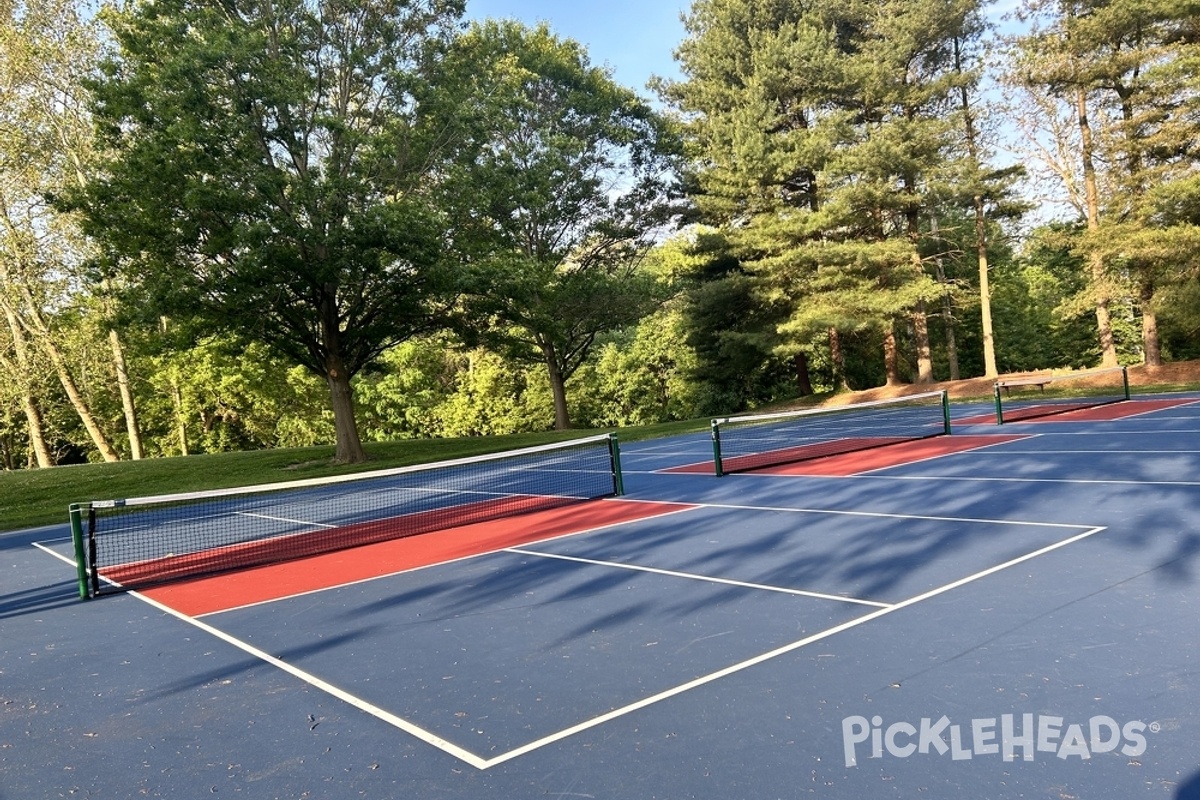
(1111, 411)
(1129, 408)
(892, 456)
(261, 584)
(1025, 610)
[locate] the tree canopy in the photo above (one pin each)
(260, 224)
(266, 168)
(556, 182)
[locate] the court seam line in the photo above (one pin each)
(783, 650)
(696, 577)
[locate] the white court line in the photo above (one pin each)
(693, 576)
(1008, 440)
(317, 683)
(890, 515)
(307, 677)
(779, 651)
(1122, 451)
(684, 507)
(1083, 481)
(283, 519)
(483, 764)
(1111, 433)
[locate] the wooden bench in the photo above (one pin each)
(1039, 381)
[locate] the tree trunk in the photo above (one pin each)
(37, 432)
(349, 449)
(921, 334)
(920, 318)
(180, 418)
(21, 372)
(1150, 344)
(838, 359)
(558, 386)
(78, 402)
(891, 361)
(985, 294)
(127, 404)
(947, 303)
(1108, 349)
(36, 326)
(803, 379)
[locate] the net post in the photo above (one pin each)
(93, 561)
(946, 411)
(999, 405)
(614, 455)
(1125, 380)
(716, 443)
(81, 571)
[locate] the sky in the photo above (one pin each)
(634, 38)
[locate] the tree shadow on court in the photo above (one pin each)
(1189, 789)
(189, 683)
(38, 599)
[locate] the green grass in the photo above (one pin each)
(33, 497)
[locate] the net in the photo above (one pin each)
(129, 544)
(761, 440)
(1045, 395)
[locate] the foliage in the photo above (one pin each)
(556, 180)
(265, 168)
(819, 135)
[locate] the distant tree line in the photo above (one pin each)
(231, 226)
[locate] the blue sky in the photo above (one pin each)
(635, 38)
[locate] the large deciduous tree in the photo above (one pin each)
(266, 168)
(557, 180)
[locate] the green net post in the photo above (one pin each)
(1125, 380)
(946, 411)
(716, 440)
(614, 453)
(80, 560)
(999, 405)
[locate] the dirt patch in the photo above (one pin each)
(1175, 375)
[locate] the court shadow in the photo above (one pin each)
(1189, 789)
(38, 600)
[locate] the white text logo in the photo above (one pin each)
(1009, 736)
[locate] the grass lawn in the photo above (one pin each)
(33, 497)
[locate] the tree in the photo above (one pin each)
(266, 167)
(1127, 73)
(45, 148)
(819, 135)
(557, 180)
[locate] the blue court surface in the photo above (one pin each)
(1018, 620)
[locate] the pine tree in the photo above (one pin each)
(820, 132)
